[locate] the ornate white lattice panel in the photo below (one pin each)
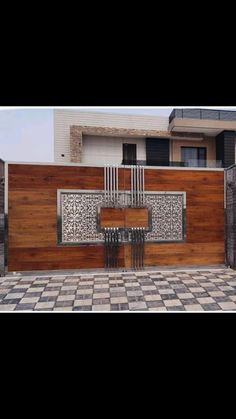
(168, 216)
(78, 216)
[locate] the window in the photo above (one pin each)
(194, 156)
(129, 154)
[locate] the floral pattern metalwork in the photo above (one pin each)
(78, 212)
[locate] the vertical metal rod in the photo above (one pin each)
(143, 247)
(107, 198)
(114, 185)
(109, 234)
(141, 181)
(138, 248)
(105, 248)
(111, 248)
(140, 186)
(133, 248)
(116, 247)
(108, 185)
(143, 186)
(111, 184)
(117, 184)
(105, 180)
(135, 192)
(137, 182)
(132, 191)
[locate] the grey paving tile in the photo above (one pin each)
(25, 307)
(101, 307)
(101, 301)
(100, 296)
(176, 308)
(43, 306)
(62, 309)
(190, 301)
(222, 299)
(153, 297)
(32, 294)
(66, 297)
(173, 303)
(227, 305)
(7, 307)
(45, 299)
(136, 299)
(205, 300)
(63, 303)
(29, 300)
(157, 309)
(14, 295)
(194, 307)
(82, 308)
(151, 304)
(138, 305)
(119, 300)
(200, 294)
(120, 307)
(71, 292)
(211, 307)
(82, 303)
(138, 293)
(10, 301)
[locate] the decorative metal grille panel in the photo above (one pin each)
(78, 216)
(167, 217)
(230, 217)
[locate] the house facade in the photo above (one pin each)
(125, 192)
(187, 138)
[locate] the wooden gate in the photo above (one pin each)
(37, 241)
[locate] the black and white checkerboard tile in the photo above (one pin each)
(210, 290)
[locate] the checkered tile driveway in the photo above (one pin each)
(210, 290)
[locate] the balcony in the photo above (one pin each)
(210, 164)
(206, 121)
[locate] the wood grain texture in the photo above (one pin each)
(136, 217)
(112, 218)
(33, 217)
(124, 217)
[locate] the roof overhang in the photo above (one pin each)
(203, 126)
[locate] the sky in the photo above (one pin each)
(27, 134)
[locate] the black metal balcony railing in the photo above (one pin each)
(191, 163)
(212, 114)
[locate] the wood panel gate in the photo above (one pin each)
(53, 216)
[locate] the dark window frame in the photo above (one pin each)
(198, 153)
(125, 157)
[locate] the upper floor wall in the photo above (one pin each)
(92, 137)
(64, 119)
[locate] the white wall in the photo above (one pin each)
(109, 150)
(63, 119)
